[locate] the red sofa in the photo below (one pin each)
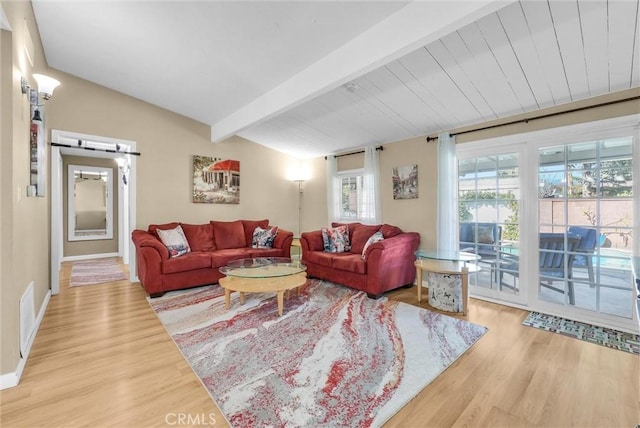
(387, 265)
(213, 245)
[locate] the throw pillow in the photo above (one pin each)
(263, 238)
(376, 237)
(484, 235)
(336, 240)
(175, 241)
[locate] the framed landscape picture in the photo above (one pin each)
(215, 180)
(405, 182)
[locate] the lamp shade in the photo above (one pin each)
(46, 85)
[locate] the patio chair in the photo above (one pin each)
(486, 236)
(588, 241)
(551, 262)
(482, 239)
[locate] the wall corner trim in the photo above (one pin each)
(9, 380)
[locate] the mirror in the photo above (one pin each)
(90, 203)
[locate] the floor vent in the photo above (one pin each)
(27, 319)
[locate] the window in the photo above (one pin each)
(350, 195)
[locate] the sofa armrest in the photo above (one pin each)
(283, 241)
(311, 241)
(391, 262)
(143, 238)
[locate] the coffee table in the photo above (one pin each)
(262, 275)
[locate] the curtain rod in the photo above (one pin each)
(429, 139)
(93, 149)
(354, 153)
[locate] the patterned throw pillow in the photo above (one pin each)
(175, 241)
(263, 238)
(376, 237)
(336, 240)
(485, 234)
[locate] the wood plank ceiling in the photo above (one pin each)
(524, 57)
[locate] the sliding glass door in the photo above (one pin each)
(489, 200)
(585, 203)
(555, 217)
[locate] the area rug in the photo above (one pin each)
(336, 358)
(590, 333)
(95, 271)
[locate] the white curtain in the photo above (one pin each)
(333, 189)
(447, 217)
(370, 201)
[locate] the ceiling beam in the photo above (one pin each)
(417, 24)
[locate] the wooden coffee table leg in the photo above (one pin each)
(280, 302)
(241, 298)
(227, 298)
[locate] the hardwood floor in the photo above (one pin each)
(102, 358)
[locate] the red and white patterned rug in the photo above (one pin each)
(95, 271)
(335, 357)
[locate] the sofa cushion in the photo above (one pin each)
(320, 258)
(228, 234)
(250, 225)
(360, 236)
(389, 231)
(191, 261)
(199, 236)
(153, 228)
(221, 258)
(175, 241)
(263, 238)
(336, 240)
(349, 262)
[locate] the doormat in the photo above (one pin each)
(608, 337)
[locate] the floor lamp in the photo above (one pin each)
(300, 189)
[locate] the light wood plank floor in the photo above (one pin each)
(102, 358)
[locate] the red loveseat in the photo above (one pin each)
(213, 245)
(388, 264)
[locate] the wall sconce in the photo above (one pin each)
(46, 86)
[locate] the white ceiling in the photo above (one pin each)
(280, 73)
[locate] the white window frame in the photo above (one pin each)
(355, 173)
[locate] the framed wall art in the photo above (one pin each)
(405, 182)
(216, 180)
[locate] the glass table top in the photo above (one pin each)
(454, 256)
(263, 267)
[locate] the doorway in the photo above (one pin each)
(92, 146)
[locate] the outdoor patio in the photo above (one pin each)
(612, 288)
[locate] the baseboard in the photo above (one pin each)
(10, 380)
(89, 256)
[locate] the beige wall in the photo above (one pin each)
(101, 246)
(25, 246)
(167, 143)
